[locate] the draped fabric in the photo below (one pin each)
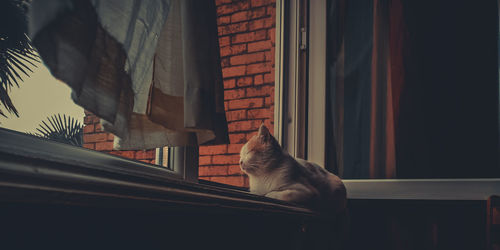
(150, 69)
(412, 94)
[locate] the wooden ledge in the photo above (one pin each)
(36, 170)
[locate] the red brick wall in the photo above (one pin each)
(94, 138)
(246, 38)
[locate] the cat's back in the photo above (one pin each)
(330, 187)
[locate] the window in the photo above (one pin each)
(387, 94)
(163, 157)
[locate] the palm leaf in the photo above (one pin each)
(16, 51)
(61, 129)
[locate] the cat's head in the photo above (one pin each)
(259, 153)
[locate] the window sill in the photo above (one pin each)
(423, 189)
(35, 170)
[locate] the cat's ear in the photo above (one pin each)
(264, 133)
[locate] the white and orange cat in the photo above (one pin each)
(274, 173)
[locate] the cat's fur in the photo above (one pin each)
(274, 173)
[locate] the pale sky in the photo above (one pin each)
(39, 96)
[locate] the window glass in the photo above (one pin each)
(412, 90)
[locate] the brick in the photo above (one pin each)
(233, 50)
(247, 58)
(126, 154)
(243, 37)
(224, 62)
(258, 79)
(234, 71)
(251, 134)
(257, 24)
(221, 2)
(259, 113)
(98, 137)
(258, 13)
(236, 115)
(213, 150)
(231, 8)
(96, 119)
(229, 84)
(259, 46)
(237, 138)
(226, 159)
(271, 11)
(269, 55)
(234, 170)
(89, 145)
(258, 68)
(233, 28)
(259, 91)
(272, 35)
(243, 125)
(234, 94)
(205, 160)
(244, 81)
(104, 146)
(234, 148)
(269, 100)
(111, 137)
(249, 37)
(230, 180)
(212, 170)
(87, 129)
(269, 78)
(270, 22)
(224, 41)
(260, 35)
(98, 127)
(145, 154)
(246, 103)
(257, 3)
(223, 20)
(239, 16)
(88, 120)
(226, 105)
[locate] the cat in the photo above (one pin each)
(274, 173)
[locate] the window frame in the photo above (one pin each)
(287, 43)
(177, 160)
(300, 60)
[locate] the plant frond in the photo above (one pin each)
(16, 51)
(63, 129)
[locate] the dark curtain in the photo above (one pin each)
(413, 89)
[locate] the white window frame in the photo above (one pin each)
(291, 40)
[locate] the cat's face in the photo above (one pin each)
(258, 152)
